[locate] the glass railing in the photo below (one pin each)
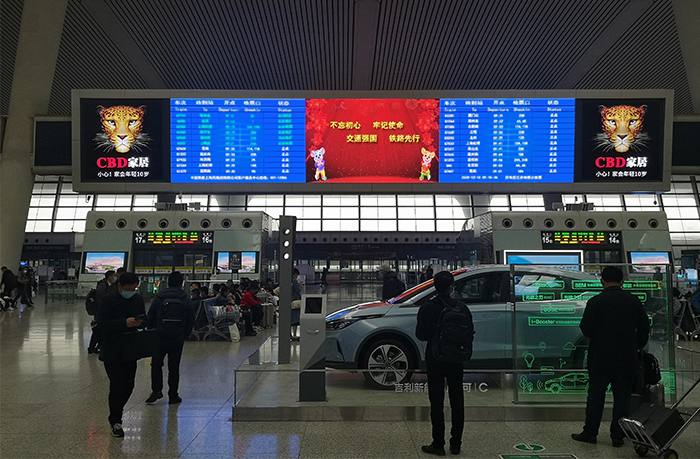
(546, 313)
(528, 349)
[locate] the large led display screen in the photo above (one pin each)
(319, 143)
(372, 140)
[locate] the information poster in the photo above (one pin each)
(124, 140)
(372, 140)
(620, 140)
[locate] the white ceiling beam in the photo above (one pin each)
(687, 14)
(104, 17)
(604, 42)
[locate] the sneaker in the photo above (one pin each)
(618, 442)
(434, 450)
(583, 437)
(175, 399)
(117, 430)
(154, 397)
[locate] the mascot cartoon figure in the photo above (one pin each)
(319, 163)
(427, 159)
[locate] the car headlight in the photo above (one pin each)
(345, 322)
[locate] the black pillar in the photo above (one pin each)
(287, 232)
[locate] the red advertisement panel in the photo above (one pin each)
(372, 140)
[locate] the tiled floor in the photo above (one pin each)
(53, 404)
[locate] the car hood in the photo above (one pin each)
(372, 308)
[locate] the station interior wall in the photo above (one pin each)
(56, 208)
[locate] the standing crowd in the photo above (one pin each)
(121, 325)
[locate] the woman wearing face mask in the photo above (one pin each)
(118, 313)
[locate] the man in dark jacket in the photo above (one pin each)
(427, 327)
(617, 328)
(118, 313)
(391, 285)
(172, 315)
(8, 282)
(101, 292)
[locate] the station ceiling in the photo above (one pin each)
(369, 44)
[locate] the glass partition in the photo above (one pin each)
(548, 348)
(528, 347)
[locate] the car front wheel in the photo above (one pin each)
(389, 362)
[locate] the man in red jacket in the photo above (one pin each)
(251, 302)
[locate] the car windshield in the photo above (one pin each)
(413, 291)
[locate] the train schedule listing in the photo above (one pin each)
(237, 140)
(507, 140)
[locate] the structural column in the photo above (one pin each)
(35, 62)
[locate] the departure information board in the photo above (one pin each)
(507, 140)
(179, 141)
(237, 140)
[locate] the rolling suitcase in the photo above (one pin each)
(660, 423)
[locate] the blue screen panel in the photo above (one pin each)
(507, 140)
(532, 259)
(237, 140)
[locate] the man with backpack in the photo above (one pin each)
(172, 316)
(446, 324)
(92, 304)
(617, 327)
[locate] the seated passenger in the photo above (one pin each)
(221, 299)
(236, 294)
(251, 302)
(195, 291)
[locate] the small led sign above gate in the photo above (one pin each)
(162, 238)
(581, 239)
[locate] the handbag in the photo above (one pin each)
(234, 332)
(139, 344)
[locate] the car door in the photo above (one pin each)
(486, 294)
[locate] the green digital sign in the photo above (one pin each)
(554, 284)
(536, 321)
(629, 285)
(642, 285)
(557, 309)
(641, 295)
(539, 297)
(583, 296)
(586, 285)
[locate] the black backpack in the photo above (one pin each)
(651, 371)
(454, 335)
(172, 316)
(91, 302)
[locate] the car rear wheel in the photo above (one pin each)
(389, 361)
